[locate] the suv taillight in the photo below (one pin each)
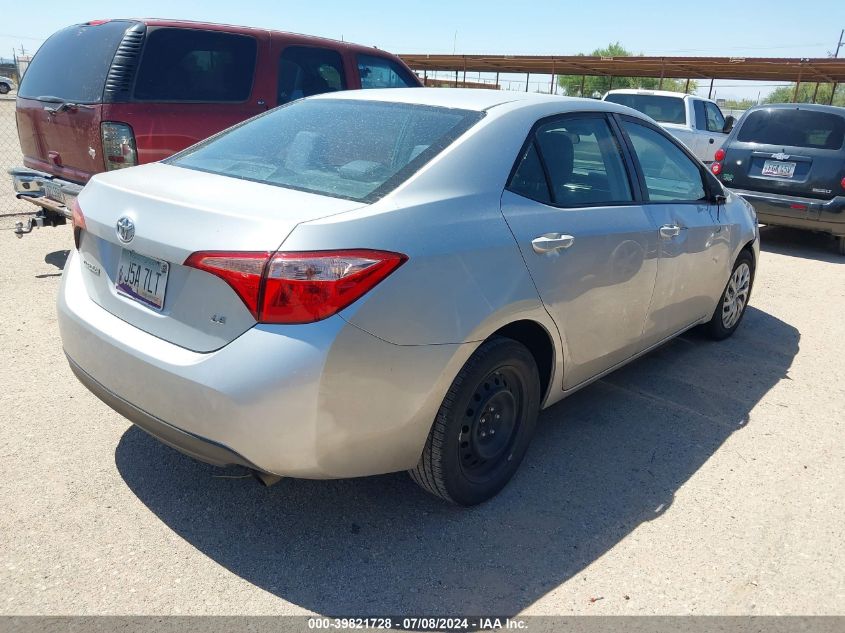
(298, 287)
(78, 221)
(119, 149)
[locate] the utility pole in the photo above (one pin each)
(839, 45)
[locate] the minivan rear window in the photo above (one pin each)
(660, 108)
(73, 63)
(195, 65)
(793, 128)
(344, 148)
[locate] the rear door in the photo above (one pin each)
(59, 106)
(190, 84)
(795, 151)
(590, 246)
(694, 244)
(303, 71)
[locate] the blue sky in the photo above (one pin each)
(776, 28)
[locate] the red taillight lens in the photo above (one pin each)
(716, 168)
(299, 287)
(720, 154)
(842, 182)
(78, 222)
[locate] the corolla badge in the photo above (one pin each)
(780, 156)
(125, 229)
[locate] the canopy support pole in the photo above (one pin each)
(710, 93)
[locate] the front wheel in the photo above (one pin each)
(734, 299)
(484, 426)
(4, 89)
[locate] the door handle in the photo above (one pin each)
(551, 242)
(670, 230)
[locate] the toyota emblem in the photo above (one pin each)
(125, 229)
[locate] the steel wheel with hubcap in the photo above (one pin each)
(484, 425)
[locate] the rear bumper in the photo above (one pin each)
(805, 213)
(29, 186)
(323, 400)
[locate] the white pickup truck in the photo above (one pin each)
(698, 123)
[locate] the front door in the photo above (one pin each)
(590, 247)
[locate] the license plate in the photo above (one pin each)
(53, 191)
(778, 169)
(142, 278)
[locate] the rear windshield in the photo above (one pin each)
(72, 64)
(658, 107)
(359, 150)
(793, 128)
(196, 65)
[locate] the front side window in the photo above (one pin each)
(345, 148)
(670, 175)
(793, 128)
(715, 119)
(379, 72)
(308, 70)
(659, 107)
(583, 162)
(194, 65)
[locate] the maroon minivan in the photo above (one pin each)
(110, 94)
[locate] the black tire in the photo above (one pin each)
(497, 390)
(724, 321)
(840, 244)
(4, 89)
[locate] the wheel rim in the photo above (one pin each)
(491, 424)
(736, 295)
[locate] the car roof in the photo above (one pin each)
(477, 99)
(644, 91)
(817, 107)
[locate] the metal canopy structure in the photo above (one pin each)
(821, 70)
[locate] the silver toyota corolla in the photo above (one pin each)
(373, 281)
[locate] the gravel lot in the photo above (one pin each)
(705, 478)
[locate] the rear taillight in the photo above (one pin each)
(78, 221)
(720, 155)
(716, 168)
(298, 287)
(842, 182)
(119, 149)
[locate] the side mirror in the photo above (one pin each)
(729, 124)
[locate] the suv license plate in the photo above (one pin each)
(53, 191)
(142, 278)
(778, 169)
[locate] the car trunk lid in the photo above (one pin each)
(176, 212)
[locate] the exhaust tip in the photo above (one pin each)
(266, 478)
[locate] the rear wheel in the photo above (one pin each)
(484, 426)
(734, 299)
(4, 88)
(840, 244)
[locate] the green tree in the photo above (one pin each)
(596, 86)
(784, 94)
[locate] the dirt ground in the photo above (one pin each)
(705, 478)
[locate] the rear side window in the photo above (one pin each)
(529, 179)
(353, 149)
(194, 65)
(658, 107)
(670, 175)
(583, 162)
(72, 65)
(793, 128)
(308, 70)
(379, 72)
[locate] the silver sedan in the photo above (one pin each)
(374, 281)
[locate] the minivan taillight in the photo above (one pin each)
(119, 149)
(720, 155)
(78, 221)
(298, 287)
